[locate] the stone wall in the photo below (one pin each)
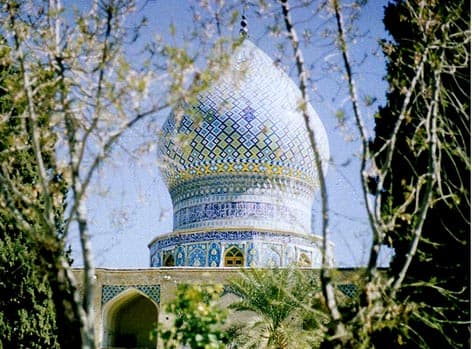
(115, 288)
(141, 294)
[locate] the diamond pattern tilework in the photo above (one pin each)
(257, 110)
(111, 291)
(349, 290)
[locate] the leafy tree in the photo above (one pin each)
(36, 299)
(197, 319)
(76, 92)
(415, 178)
(434, 34)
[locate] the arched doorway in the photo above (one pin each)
(130, 321)
(234, 257)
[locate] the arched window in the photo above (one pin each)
(234, 257)
(304, 260)
(169, 260)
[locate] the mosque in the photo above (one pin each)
(242, 178)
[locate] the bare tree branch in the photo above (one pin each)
(326, 277)
(431, 178)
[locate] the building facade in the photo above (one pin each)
(242, 178)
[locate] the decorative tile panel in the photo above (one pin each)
(207, 249)
(156, 260)
(230, 202)
(214, 254)
(227, 186)
(180, 256)
(225, 210)
(349, 290)
(197, 255)
(252, 256)
(290, 255)
(271, 255)
(111, 291)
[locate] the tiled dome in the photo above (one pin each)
(241, 155)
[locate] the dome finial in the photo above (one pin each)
(244, 30)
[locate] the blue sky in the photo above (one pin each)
(129, 204)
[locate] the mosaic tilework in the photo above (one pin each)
(271, 255)
(197, 254)
(219, 214)
(223, 210)
(182, 238)
(227, 144)
(290, 253)
(252, 255)
(207, 249)
(243, 202)
(349, 290)
(199, 190)
(214, 254)
(156, 259)
(239, 167)
(244, 124)
(111, 291)
(180, 256)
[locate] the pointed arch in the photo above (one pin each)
(304, 260)
(234, 257)
(169, 260)
(130, 321)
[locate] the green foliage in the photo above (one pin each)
(288, 305)
(198, 318)
(27, 312)
(36, 299)
(433, 36)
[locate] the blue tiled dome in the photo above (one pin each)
(239, 159)
(250, 115)
(244, 141)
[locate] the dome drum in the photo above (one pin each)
(241, 202)
(255, 248)
(207, 188)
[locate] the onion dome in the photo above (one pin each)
(240, 156)
(241, 172)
